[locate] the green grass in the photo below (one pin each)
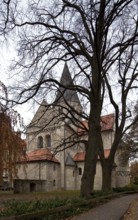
(59, 194)
(69, 201)
(59, 204)
(14, 207)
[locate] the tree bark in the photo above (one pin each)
(106, 175)
(107, 165)
(92, 150)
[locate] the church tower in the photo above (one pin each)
(67, 101)
(52, 124)
(65, 96)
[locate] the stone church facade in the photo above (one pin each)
(46, 166)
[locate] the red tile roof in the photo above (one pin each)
(80, 156)
(107, 123)
(39, 155)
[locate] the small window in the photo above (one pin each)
(73, 173)
(80, 170)
(40, 142)
(48, 140)
(54, 182)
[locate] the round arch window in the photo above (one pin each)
(40, 142)
(48, 140)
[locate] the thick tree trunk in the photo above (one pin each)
(94, 136)
(88, 180)
(107, 165)
(91, 156)
(106, 175)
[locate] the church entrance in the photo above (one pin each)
(32, 187)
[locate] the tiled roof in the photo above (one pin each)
(80, 156)
(107, 123)
(39, 155)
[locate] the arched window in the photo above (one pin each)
(54, 182)
(48, 140)
(80, 170)
(40, 142)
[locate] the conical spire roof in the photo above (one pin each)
(66, 94)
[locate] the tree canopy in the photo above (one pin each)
(11, 143)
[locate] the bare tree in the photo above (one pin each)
(130, 139)
(99, 39)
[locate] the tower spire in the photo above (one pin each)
(64, 93)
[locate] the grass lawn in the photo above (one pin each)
(9, 195)
(52, 205)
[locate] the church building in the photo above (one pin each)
(54, 157)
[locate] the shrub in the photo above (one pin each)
(130, 187)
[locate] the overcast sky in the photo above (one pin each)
(6, 55)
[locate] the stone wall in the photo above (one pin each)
(45, 175)
(21, 186)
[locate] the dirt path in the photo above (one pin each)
(132, 212)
